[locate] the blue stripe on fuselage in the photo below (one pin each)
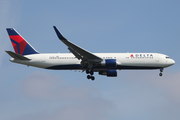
(79, 67)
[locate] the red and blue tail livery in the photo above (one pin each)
(21, 46)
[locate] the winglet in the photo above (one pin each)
(60, 36)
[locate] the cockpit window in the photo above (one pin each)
(167, 57)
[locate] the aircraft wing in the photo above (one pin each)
(79, 52)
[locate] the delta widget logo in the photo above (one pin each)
(141, 55)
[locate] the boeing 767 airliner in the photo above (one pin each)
(81, 59)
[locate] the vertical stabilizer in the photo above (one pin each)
(21, 46)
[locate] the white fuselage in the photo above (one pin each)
(67, 61)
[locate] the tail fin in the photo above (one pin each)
(21, 46)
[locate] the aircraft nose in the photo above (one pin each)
(171, 62)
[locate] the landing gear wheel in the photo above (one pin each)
(88, 77)
(92, 77)
(87, 71)
(161, 70)
(91, 72)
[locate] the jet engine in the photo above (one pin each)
(110, 63)
(109, 73)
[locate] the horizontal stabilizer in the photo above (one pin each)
(17, 56)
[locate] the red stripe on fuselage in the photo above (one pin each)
(21, 41)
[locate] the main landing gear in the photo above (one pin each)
(91, 74)
(161, 70)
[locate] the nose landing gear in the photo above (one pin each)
(161, 70)
(160, 74)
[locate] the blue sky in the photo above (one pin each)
(98, 26)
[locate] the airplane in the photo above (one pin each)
(80, 59)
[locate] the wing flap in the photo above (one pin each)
(75, 53)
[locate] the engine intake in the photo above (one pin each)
(109, 73)
(110, 63)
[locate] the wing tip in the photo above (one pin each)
(60, 36)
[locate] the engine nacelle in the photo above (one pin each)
(109, 73)
(110, 63)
